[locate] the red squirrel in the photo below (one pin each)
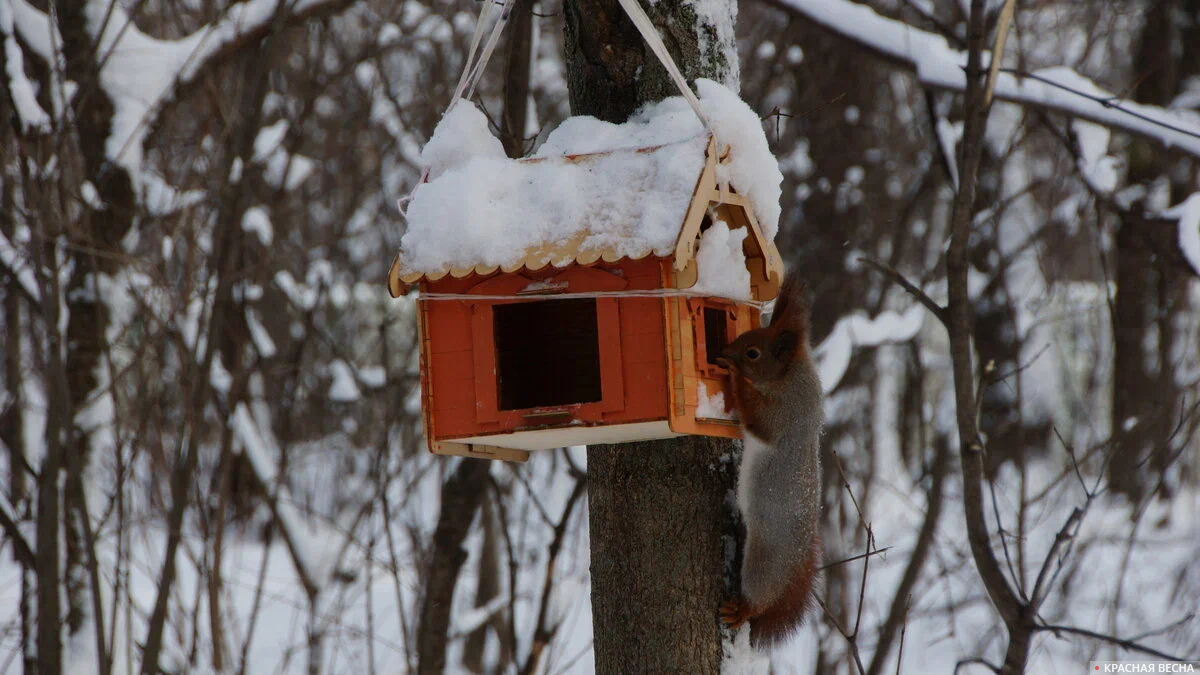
(777, 394)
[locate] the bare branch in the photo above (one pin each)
(1123, 643)
(896, 277)
(1066, 534)
(851, 639)
(544, 632)
(21, 548)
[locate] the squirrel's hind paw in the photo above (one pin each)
(735, 613)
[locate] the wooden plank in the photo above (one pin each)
(728, 198)
(479, 451)
(547, 439)
(612, 375)
(685, 244)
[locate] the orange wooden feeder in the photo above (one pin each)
(520, 370)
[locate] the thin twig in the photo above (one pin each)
(852, 558)
(21, 548)
(903, 630)
(850, 639)
(912, 289)
(1124, 643)
(1066, 535)
(862, 585)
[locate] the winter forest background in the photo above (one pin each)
(202, 365)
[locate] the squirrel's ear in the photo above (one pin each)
(792, 306)
(784, 345)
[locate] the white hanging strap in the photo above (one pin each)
(497, 28)
(652, 38)
(476, 37)
(472, 71)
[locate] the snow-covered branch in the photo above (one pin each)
(12, 260)
(1188, 213)
(141, 74)
(24, 98)
(938, 65)
(857, 330)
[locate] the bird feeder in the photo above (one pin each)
(577, 344)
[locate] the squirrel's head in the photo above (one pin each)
(766, 354)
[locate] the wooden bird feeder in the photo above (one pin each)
(519, 370)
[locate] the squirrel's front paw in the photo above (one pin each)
(735, 612)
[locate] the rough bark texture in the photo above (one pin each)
(611, 71)
(658, 515)
(516, 79)
(660, 526)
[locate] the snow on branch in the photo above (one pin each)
(857, 330)
(939, 65)
(140, 73)
(14, 261)
(1188, 213)
(24, 98)
(260, 450)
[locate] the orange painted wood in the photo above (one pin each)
(652, 351)
(630, 339)
(652, 355)
(612, 376)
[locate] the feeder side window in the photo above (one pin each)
(547, 353)
(716, 337)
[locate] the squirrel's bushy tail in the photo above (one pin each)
(781, 620)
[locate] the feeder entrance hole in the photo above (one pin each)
(547, 353)
(716, 339)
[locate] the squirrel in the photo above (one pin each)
(777, 393)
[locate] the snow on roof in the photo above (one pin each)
(594, 189)
(511, 214)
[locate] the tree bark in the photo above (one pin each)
(660, 514)
(660, 528)
(1149, 296)
(610, 70)
(960, 317)
(516, 79)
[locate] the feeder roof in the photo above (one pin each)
(581, 199)
(498, 214)
(605, 206)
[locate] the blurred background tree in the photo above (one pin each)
(211, 449)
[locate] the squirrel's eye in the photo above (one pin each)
(753, 353)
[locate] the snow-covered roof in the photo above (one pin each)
(594, 190)
(725, 255)
(508, 215)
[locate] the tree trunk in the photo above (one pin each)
(611, 71)
(1150, 294)
(660, 522)
(660, 514)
